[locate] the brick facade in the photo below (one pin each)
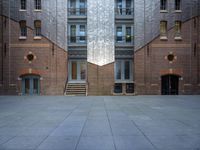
(100, 79)
(50, 61)
(151, 61)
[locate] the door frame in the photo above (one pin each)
(78, 80)
(31, 79)
(170, 90)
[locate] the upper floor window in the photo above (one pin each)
(177, 4)
(38, 5)
(77, 7)
(163, 28)
(23, 5)
(77, 33)
(124, 34)
(177, 28)
(37, 25)
(163, 4)
(124, 7)
(23, 28)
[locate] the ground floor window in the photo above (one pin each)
(123, 70)
(30, 85)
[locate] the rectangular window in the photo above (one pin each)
(163, 4)
(37, 28)
(38, 5)
(73, 33)
(177, 28)
(82, 7)
(163, 27)
(119, 34)
(23, 28)
(177, 4)
(123, 70)
(118, 88)
(119, 7)
(128, 7)
(23, 5)
(127, 70)
(82, 33)
(128, 34)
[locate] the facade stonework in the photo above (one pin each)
(49, 62)
(151, 61)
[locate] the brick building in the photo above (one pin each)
(101, 47)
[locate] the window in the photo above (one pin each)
(163, 28)
(82, 7)
(38, 5)
(128, 34)
(118, 88)
(177, 28)
(23, 5)
(119, 7)
(177, 4)
(23, 28)
(123, 70)
(129, 87)
(163, 4)
(119, 34)
(82, 33)
(128, 7)
(37, 28)
(73, 33)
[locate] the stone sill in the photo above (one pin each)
(22, 10)
(178, 11)
(178, 38)
(163, 38)
(37, 10)
(22, 38)
(163, 11)
(37, 38)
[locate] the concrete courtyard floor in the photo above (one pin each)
(100, 123)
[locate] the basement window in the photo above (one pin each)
(129, 87)
(118, 88)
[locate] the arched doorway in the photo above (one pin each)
(30, 85)
(170, 85)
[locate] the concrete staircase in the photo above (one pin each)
(76, 89)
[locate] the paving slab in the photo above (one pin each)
(100, 123)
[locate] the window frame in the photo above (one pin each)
(38, 5)
(37, 29)
(23, 5)
(121, 63)
(23, 28)
(163, 5)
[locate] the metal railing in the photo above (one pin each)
(77, 11)
(77, 39)
(124, 11)
(124, 40)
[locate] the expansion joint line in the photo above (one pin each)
(109, 124)
(58, 125)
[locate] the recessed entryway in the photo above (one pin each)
(30, 85)
(170, 85)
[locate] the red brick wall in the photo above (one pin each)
(50, 62)
(151, 62)
(100, 79)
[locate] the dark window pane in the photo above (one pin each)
(35, 86)
(118, 70)
(129, 88)
(118, 88)
(27, 86)
(127, 70)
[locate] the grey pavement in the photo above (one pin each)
(100, 123)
